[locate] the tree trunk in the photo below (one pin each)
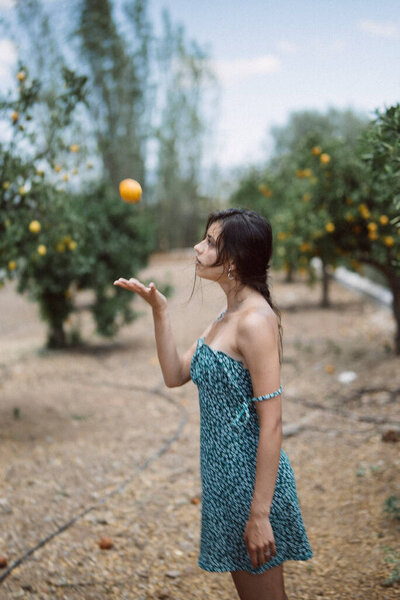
(394, 283)
(56, 337)
(325, 286)
(393, 279)
(289, 275)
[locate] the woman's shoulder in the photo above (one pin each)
(260, 315)
(257, 313)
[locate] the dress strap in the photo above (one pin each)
(244, 408)
(267, 396)
(220, 315)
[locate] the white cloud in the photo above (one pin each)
(8, 56)
(232, 71)
(4, 4)
(287, 47)
(386, 30)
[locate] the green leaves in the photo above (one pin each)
(56, 241)
(332, 194)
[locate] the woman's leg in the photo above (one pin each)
(265, 586)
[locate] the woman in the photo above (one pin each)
(251, 520)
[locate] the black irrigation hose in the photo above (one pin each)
(121, 486)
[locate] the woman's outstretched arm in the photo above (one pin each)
(168, 357)
(175, 369)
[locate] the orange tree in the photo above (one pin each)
(358, 198)
(274, 192)
(53, 240)
(282, 204)
(256, 190)
(297, 198)
(312, 169)
(342, 204)
(375, 210)
(330, 174)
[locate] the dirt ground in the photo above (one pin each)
(93, 444)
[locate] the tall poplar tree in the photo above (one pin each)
(118, 75)
(185, 77)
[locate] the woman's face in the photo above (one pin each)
(206, 252)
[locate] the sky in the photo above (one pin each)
(273, 58)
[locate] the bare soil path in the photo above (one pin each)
(95, 437)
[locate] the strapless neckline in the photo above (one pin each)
(228, 356)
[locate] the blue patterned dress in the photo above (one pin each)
(229, 432)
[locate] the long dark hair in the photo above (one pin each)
(246, 239)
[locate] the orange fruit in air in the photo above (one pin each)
(130, 190)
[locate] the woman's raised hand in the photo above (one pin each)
(155, 298)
